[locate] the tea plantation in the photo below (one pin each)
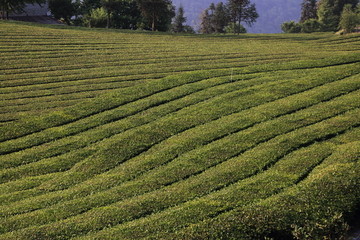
(109, 134)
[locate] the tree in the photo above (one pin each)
(179, 21)
(234, 27)
(308, 10)
(340, 4)
(127, 15)
(242, 11)
(212, 8)
(329, 12)
(88, 5)
(110, 6)
(15, 6)
(349, 19)
(188, 29)
(291, 27)
(158, 13)
(310, 25)
(220, 18)
(205, 25)
(62, 9)
(327, 18)
(96, 18)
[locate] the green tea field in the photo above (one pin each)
(109, 134)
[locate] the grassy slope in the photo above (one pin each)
(117, 134)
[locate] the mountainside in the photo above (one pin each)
(272, 13)
(113, 134)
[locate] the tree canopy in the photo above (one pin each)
(157, 13)
(242, 11)
(217, 18)
(153, 15)
(62, 9)
(329, 12)
(180, 19)
(325, 15)
(15, 6)
(308, 10)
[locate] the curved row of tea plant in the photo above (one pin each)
(128, 135)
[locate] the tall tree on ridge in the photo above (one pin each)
(220, 18)
(242, 11)
(156, 12)
(87, 5)
(212, 8)
(326, 16)
(62, 9)
(329, 12)
(349, 18)
(206, 19)
(308, 10)
(110, 6)
(179, 21)
(340, 4)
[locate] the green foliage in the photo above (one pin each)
(242, 11)
(96, 18)
(62, 9)
(225, 17)
(329, 12)
(157, 13)
(291, 27)
(332, 228)
(87, 5)
(326, 16)
(205, 25)
(308, 26)
(220, 18)
(178, 24)
(15, 6)
(308, 10)
(311, 25)
(189, 29)
(349, 19)
(235, 28)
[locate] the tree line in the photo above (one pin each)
(9, 6)
(155, 15)
(228, 17)
(325, 16)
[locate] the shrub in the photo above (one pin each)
(234, 27)
(310, 25)
(291, 27)
(349, 19)
(96, 18)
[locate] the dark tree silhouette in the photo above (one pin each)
(15, 6)
(62, 9)
(242, 11)
(156, 12)
(308, 10)
(179, 21)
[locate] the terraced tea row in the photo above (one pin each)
(157, 136)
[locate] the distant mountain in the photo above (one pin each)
(272, 13)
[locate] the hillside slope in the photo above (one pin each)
(129, 135)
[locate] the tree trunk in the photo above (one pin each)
(108, 19)
(234, 25)
(240, 16)
(153, 23)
